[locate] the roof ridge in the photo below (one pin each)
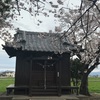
(31, 32)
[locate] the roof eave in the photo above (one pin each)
(10, 51)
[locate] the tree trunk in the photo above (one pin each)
(84, 85)
(84, 79)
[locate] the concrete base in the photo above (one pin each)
(22, 97)
(6, 97)
(64, 97)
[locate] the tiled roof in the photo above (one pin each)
(37, 41)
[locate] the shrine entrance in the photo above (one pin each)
(43, 76)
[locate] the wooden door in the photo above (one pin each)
(44, 74)
(51, 75)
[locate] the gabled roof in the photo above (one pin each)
(37, 41)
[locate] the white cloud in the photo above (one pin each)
(6, 63)
(97, 69)
(29, 23)
(7, 68)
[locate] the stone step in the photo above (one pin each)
(44, 93)
(48, 98)
(44, 90)
(6, 98)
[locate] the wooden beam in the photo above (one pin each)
(30, 78)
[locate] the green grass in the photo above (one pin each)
(94, 84)
(94, 78)
(4, 82)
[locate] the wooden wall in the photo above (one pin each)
(22, 71)
(65, 69)
(22, 76)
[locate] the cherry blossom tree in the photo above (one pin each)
(5, 7)
(83, 30)
(12, 9)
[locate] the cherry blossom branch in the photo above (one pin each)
(78, 19)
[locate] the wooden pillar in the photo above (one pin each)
(59, 78)
(30, 78)
(45, 78)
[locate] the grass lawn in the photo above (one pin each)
(4, 82)
(94, 84)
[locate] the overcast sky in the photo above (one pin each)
(29, 23)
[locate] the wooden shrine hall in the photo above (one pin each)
(42, 63)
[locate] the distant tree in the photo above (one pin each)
(76, 69)
(12, 9)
